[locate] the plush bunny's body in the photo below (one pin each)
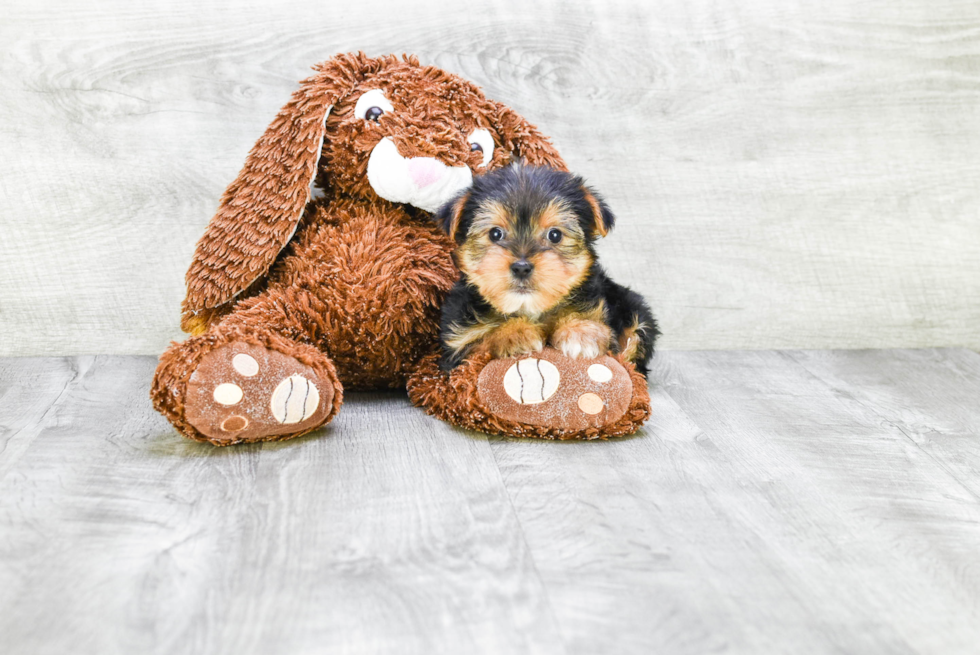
(291, 298)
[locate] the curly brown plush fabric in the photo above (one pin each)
(454, 397)
(291, 298)
(260, 210)
(181, 360)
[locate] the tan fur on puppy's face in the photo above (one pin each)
(558, 268)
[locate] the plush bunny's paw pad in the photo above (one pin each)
(553, 390)
(242, 392)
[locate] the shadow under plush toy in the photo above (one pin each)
(290, 298)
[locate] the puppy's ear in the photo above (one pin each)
(450, 216)
(260, 210)
(601, 217)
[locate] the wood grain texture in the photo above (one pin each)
(930, 396)
(843, 528)
(30, 389)
(388, 532)
(763, 510)
(803, 501)
(786, 175)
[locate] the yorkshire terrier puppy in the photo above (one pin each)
(530, 278)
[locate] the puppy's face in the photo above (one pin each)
(525, 236)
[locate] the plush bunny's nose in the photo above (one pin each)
(425, 170)
(423, 182)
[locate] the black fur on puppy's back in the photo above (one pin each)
(462, 306)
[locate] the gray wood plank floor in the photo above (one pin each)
(795, 501)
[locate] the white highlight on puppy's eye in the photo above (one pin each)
(369, 99)
(481, 137)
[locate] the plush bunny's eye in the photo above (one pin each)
(480, 140)
(372, 105)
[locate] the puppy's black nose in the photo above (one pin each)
(522, 269)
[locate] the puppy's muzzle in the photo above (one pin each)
(522, 269)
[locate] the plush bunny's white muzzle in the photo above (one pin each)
(424, 182)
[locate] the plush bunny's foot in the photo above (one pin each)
(553, 390)
(242, 392)
(545, 394)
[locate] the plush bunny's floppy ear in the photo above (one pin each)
(601, 216)
(260, 210)
(524, 140)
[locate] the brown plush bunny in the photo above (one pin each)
(291, 297)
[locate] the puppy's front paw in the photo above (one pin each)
(515, 337)
(516, 348)
(582, 338)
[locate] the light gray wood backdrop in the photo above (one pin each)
(786, 174)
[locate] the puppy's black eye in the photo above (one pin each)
(554, 235)
(374, 113)
(476, 147)
(496, 234)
